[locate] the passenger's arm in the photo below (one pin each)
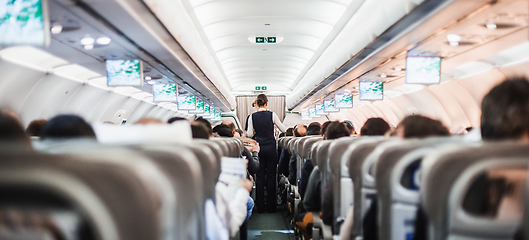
(238, 207)
(253, 161)
(250, 133)
(278, 123)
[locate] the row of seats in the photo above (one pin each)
(135, 191)
(437, 174)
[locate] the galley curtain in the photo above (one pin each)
(244, 107)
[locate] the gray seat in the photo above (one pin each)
(223, 145)
(447, 174)
(396, 180)
(118, 199)
(355, 164)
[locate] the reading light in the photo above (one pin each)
(87, 41)
(383, 75)
(103, 40)
(397, 69)
(491, 25)
(453, 39)
(151, 82)
(148, 78)
(88, 47)
(56, 29)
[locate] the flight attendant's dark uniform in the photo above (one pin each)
(266, 176)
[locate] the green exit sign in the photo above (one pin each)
(265, 40)
(259, 39)
(257, 88)
(260, 88)
(263, 88)
(271, 40)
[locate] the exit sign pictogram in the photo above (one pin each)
(265, 40)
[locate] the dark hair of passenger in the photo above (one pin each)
(67, 126)
(314, 128)
(261, 100)
(223, 130)
(336, 130)
(374, 127)
(11, 129)
(417, 126)
(289, 132)
(174, 119)
(296, 131)
(35, 127)
(349, 126)
(199, 131)
(505, 110)
(324, 127)
(205, 123)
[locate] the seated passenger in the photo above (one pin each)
(206, 124)
(374, 127)
(35, 127)
(504, 116)
(67, 126)
(175, 119)
(198, 130)
(314, 129)
(300, 130)
(240, 132)
(350, 126)
(11, 130)
(284, 156)
(311, 202)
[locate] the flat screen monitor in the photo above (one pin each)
(207, 110)
(217, 116)
(200, 107)
(343, 100)
(305, 115)
(312, 112)
(187, 102)
(371, 90)
(24, 23)
(164, 92)
(122, 72)
(423, 70)
(320, 109)
(330, 106)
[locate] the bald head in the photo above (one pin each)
(229, 124)
(300, 131)
(146, 121)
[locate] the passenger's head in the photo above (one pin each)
(289, 132)
(374, 127)
(314, 128)
(417, 126)
(324, 127)
(35, 127)
(350, 126)
(223, 130)
(505, 111)
(11, 130)
(67, 126)
(147, 121)
(206, 124)
(261, 101)
(199, 130)
(336, 130)
(230, 124)
(175, 119)
(300, 130)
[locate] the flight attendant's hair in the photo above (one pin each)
(261, 100)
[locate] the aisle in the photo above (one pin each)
(269, 226)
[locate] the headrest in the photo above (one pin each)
(177, 132)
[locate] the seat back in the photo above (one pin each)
(117, 199)
(361, 197)
(396, 179)
(307, 147)
(447, 175)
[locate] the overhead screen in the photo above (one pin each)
(164, 92)
(423, 70)
(124, 72)
(320, 110)
(312, 112)
(187, 102)
(24, 23)
(343, 100)
(305, 116)
(371, 90)
(199, 107)
(330, 106)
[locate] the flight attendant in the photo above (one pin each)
(261, 128)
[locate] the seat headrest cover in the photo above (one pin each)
(178, 132)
